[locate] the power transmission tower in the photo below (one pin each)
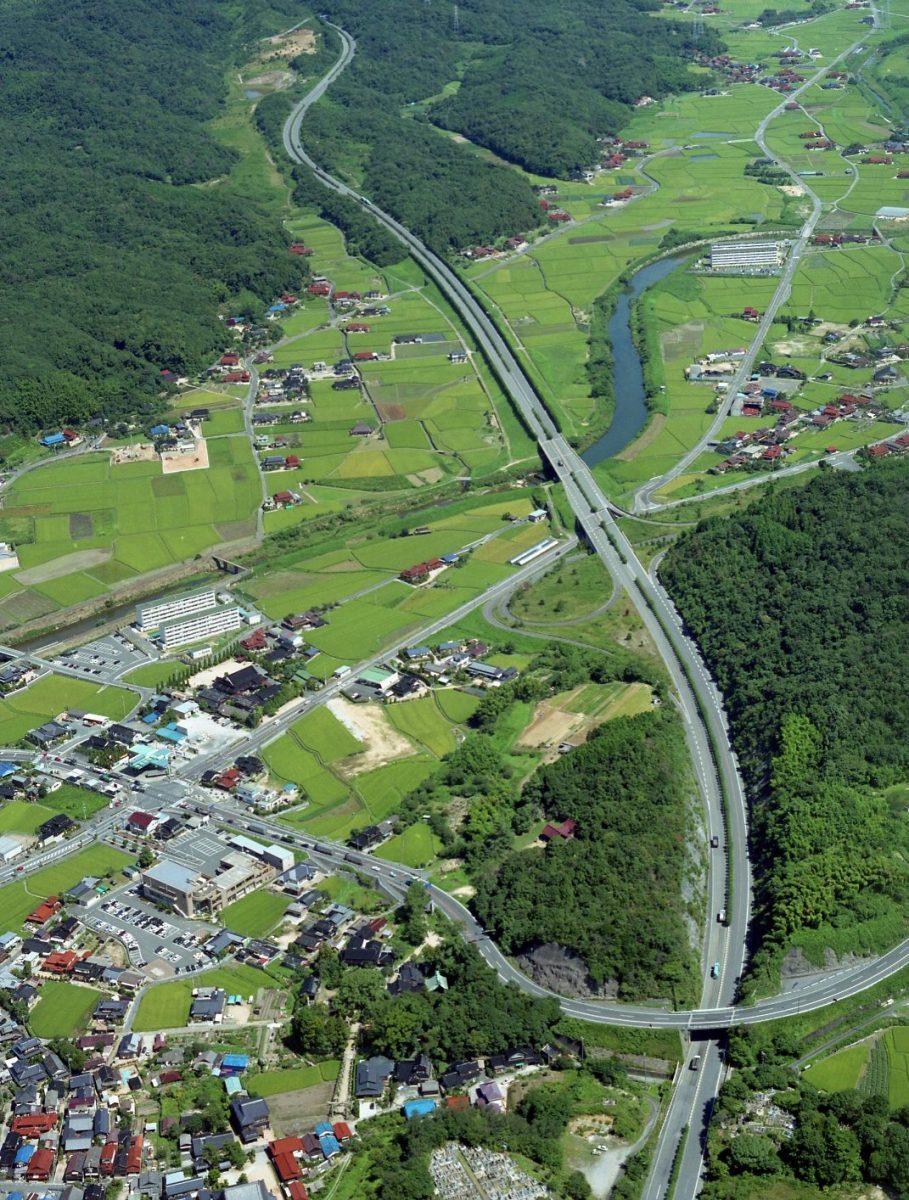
(456, 22)
(697, 28)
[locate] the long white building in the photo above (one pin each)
(156, 612)
(197, 626)
(747, 256)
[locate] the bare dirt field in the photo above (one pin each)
(140, 452)
(551, 725)
(210, 674)
(381, 742)
(289, 45)
(196, 459)
(297, 1112)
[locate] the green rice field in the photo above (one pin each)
(51, 695)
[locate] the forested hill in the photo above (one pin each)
(535, 83)
(801, 607)
(114, 262)
(613, 892)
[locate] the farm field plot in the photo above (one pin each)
(321, 732)
(457, 706)
(84, 524)
(897, 1044)
(166, 1005)
(256, 914)
(372, 607)
(292, 1079)
(423, 721)
(840, 1071)
(51, 695)
(463, 423)
(62, 1010)
(18, 899)
(570, 717)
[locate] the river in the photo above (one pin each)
(631, 410)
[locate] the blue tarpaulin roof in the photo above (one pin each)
(418, 1108)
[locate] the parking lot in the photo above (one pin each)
(105, 657)
(162, 944)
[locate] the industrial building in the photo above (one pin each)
(747, 256)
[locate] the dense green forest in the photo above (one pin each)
(613, 893)
(115, 262)
(801, 608)
(537, 86)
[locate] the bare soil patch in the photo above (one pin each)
(301, 41)
(294, 1113)
(391, 412)
(192, 460)
(381, 742)
(140, 452)
(550, 725)
(78, 561)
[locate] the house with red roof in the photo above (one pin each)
(565, 831)
(61, 962)
(40, 1165)
(44, 911)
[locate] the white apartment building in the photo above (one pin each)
(156, 612)
(195, 627)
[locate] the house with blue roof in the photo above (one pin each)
(323, 1129)
(171, 733)
(234, 1062)
(7, 768)
(53, 439)
(329, 1145)
(159, 430)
